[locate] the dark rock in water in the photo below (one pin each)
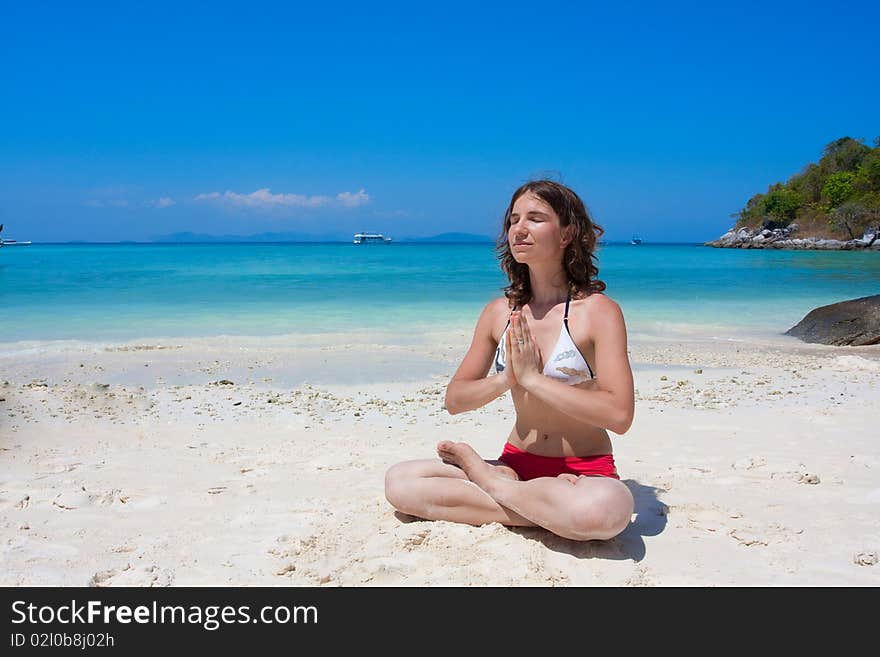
(855, 322)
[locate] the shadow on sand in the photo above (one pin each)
(650, 520)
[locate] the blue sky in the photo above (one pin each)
(328, 118)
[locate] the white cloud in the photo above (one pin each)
(163, 202)
(350, 200)
(264, 199)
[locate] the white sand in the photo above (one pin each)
(127, 464)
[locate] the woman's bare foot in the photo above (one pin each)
(464, 456)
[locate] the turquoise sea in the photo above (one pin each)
(131, 291)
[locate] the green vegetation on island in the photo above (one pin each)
(838, 198)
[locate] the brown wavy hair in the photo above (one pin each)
(579, 257)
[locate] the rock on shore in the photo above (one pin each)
(784, 238)
(855, 322)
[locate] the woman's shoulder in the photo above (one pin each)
(598, 300)
(495, 314)
(597, 306)
(498, 306)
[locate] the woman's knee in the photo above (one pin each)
(401, 481)
(601, 516)
(396, 478)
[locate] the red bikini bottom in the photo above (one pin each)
(531, 466)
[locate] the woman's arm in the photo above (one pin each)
(611, 404)
(470, 386)
(464, 396)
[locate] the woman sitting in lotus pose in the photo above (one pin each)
(559, 345)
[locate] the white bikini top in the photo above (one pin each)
(566, 363)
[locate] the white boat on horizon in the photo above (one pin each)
(370, 238)
(11, 242)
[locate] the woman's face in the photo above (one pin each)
(535, 232)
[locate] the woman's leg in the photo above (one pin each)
(579, 508)
(434, 490)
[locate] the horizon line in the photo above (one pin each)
(340, 241)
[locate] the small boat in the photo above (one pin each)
(370, 238)
(11, 242)
(635, 240)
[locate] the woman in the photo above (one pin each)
(556, 470)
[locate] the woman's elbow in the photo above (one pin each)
(622, 422)
(450, 405)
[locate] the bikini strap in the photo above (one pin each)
(567, 300)
(509, 316)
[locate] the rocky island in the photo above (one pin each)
(832, 205)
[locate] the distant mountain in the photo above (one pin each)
(260, 237)
(190, 237)
(449, 237)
